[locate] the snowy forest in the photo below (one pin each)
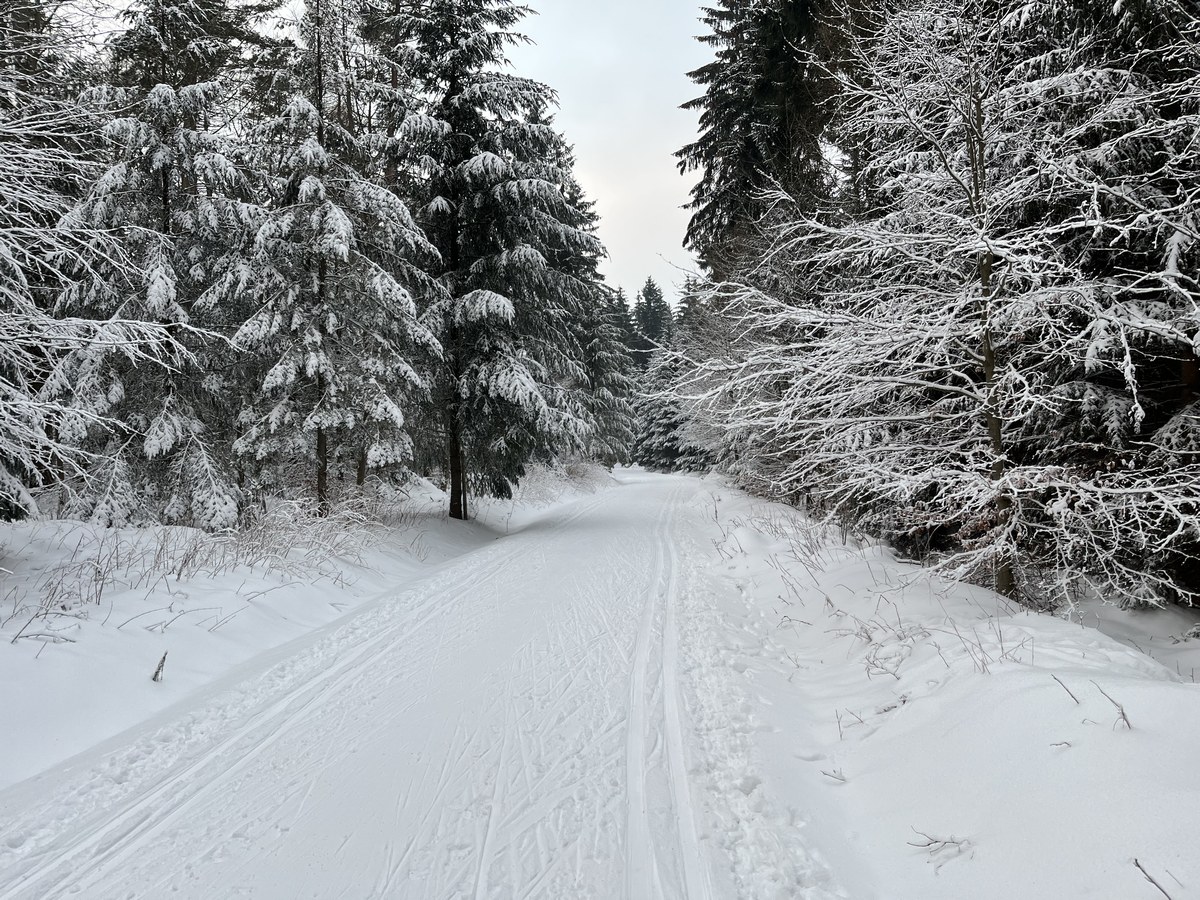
(367, 529)
(948, 291)
(953, 298)
(245, 260)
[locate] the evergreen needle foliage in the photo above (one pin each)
(241, 261)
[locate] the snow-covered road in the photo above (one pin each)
(666, 689)
(517, 724)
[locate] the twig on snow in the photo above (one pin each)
(158, 672)
(932, 844)
(1149, 877)
(1122, 719)
(1067, 689)
(943, 849)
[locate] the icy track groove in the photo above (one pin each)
(515, 725)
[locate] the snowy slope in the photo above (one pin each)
(86, 613)
(935, 742)
(665, 689)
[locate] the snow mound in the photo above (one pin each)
(545, 485)
(936, 741)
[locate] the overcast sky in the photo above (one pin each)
(619, 67)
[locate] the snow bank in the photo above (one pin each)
(542, 486)
(87, 613)
(929, 739)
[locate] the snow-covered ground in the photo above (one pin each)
(662, 688)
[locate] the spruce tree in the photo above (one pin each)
(599, 325)
(608, 365)
(490, 178)
(43, 164)
(763, 117)
(670, 436)
(183, 42)
(653, 320)
(663, 443)
(334, 271)
(172, 191)
(622, 316)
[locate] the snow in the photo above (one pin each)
(484, 167)
(653, 686)
(925, 736)
(484, 305)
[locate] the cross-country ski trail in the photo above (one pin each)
(522, 723)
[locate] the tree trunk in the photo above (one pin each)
(1004, 577)
(1189, 378)
(462, 485)
(458, 475)
(319, 82)
(322, 437)
(322, 472)
(165, 190)
(361, 477)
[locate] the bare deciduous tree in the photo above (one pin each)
(977, 363)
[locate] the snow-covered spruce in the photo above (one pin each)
(171, 193)
(334, 269)
(491, 181)
(45, 407)
(609, 367)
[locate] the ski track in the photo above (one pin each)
(638, 875)
(516, 725)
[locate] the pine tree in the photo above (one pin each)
(673, 433)
(599, 322)
(763, 117)
(42, 164)
(622, 316)
(174, 193)
(653, 320)
(663, 443)
(183, 42)
(692, 303)
(334, 272)
(610, 388)
(490, 177)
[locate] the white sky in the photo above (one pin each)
(619, 67)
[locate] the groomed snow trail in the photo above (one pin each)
(516, 725)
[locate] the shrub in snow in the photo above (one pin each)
(1000, 351)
